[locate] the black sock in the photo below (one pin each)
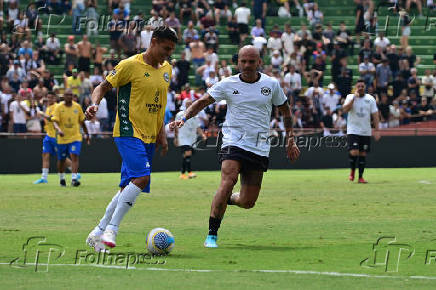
(353, 161)
(362, 163)
(188, 163)
(214, 225)
(183, 165)
(229, 201)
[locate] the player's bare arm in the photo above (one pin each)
(58, 129)
(292, 150)
(85, 130)
(193, 110)
(162, 140)
(347, 107)
(376, 121)
(96, 97)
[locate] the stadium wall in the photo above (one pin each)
(24, 155)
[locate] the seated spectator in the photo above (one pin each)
(243, 14)
(201, 8)
(330, 99)
(274, 43)
(211, 79)
(366, 51)
(155, 20)
(383, 76)
(343, 36)
(276, 60)
(222, 10)
(174, 23)
(314, 15)
(384, 111)
(292, 83)
(233, 31)
(394, 114)
(185, 10)
(260, 43)
(224, 70)
(53, 46)
(18, 114)
(428, 81)
(189, 33)
(425, 110)
(211, 38)
(257, 30)
(16, 70)
(207, 20)
(381, 41)
(413, 82)
(327, 122)
(394, 60)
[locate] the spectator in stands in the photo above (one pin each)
(211, 79)
(287, 38)
(18, 114)
(91, 18)
(329, 38)
(211, 56)
(233, 31)
(13, 12)
(16, 70)
(128, 40)
(367, 72)
(414, 82)
(39, 91)
(73, 82)
(411, 57)
(224, 70)
(145, 38)
(343, 36)
(424, 110)
(52, 47)
(366, 51)
(201, 8)
(314, 15)
(383, 76)
(116, 26)
(183, 65)
(260, 43)
(189, 33)
(345, 79)
(197, 55)
(330, 98)
(418, 4)
(185, 10)
(384, 111)
(277, 60)
(257, 30)
(174, 23)
(339, 122)
(394, 114)
(316, 74)
(222, 10)
(78, 10)
(243, 14)
(327, 122)
(292, 83)
(274, 43)
(428, 81)
(211, 38)
(84, 49)
(382, 41)
(360, 21)
(103, 116)
(394, 60)
(93, 126)
(206, 21)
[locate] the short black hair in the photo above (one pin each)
(360, 81)
(165, 32)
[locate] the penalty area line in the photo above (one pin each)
(296, 272)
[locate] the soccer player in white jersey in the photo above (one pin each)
(185, 137)
(360, 108)
(250, 97)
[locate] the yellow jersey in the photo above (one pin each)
(74, 82)
(142, 97)
(48, 127)
(69, 120)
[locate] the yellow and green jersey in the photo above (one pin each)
(69, 120)
(48, 127)
(142, 97)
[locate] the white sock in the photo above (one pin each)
(98, 230)
(61, 176)
(73, 175)
(125, 201)
(44, 173)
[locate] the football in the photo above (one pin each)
(159, 241)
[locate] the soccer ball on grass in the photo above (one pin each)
(159, 241)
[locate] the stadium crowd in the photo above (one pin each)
(293, 55)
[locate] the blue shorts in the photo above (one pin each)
(64, 150)
(49, 145)
(137, 159)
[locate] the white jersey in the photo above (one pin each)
(187, 135)
(359, 117)
(249, 107)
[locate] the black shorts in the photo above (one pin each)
(185, 148)
(83, 64)
(359, 142)
(243, 28)
(249, 160)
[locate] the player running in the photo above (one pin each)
(142, 81)
(250, 97)
(67, 119)
(185, 137)
(360, 108)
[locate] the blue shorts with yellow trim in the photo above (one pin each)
(49, 145)
(137, 159)
(64, 150)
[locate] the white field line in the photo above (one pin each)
(297, 272)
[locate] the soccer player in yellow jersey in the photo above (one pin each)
(49, 143)
(142, 81)
(67, 119)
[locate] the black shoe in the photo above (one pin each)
(75, 182)
(63, 183)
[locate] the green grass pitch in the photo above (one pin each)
(310, 229)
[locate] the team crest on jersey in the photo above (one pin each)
(265, 91)
(75, 111)
(166, 77)
(113, 72)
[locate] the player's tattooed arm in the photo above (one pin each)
(285, 110)
(199, 105)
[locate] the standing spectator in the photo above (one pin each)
(360, 21)
(329, 38)
(418, 4)
(345, 79)
(344, 37)
(427, 81)
(183, 65)
(411, 57)
(414, 82)
(394, 60)
(260, 43)
(367, 72)
(18, 113)
(222, 10)
(16, 70)
(91, 18)
(98, 52)
(287, 38)
(327, 122)
(233, 31)
(242, 14)
(78, 9)
(128, 40)
(211, 38)
(201, 8)
(405, 28)
(330, 99)
(102, 116)
(292, 83)
(276, 60)
(197, 55)
(383, 108)
(211, 56)
(116, 26)
(71, 53)
(84, 49)
(394, 111)
(274, 43)
(185, 9)
(259, 10)
(366, 51)
(314, 15)
(189, 33)
(145, 38)
(383, 76)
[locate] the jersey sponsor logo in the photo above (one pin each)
(156, 97)
(166, 77)
(113, 72)
(147, 165)
(265, 91)
(236, 92)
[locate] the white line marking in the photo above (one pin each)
(297, 272)
(424, 182)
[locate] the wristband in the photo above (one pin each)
(184, 119)
(95, 105)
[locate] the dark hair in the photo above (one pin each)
(165, 32)
(360, 81)
(51, 93)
